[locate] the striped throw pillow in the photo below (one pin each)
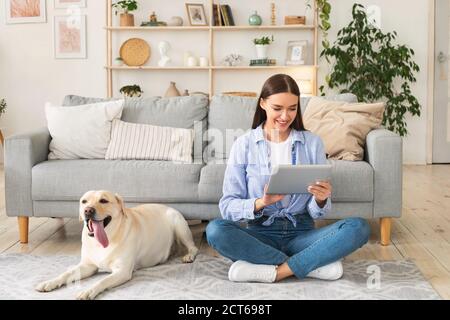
(132, 141)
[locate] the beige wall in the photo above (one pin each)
(30, 76)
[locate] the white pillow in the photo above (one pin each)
(132, 141)
(81, 131)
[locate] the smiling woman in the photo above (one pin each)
(280, 239)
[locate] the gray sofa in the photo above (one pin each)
(37, 187)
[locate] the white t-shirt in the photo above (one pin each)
(281, 153)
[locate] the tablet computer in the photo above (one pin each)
(289, 179)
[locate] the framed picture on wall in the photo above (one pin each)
(63, 4)
(70, 37)
(25, 11)
(296, 52)
(196, 14)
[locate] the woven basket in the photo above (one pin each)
(135, 52)
(240, 94)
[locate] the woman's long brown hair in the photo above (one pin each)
(278, 83)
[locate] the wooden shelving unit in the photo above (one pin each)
(110, 29)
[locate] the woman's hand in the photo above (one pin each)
(321, 191)
(269, 199)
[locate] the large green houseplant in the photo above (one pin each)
(370, 65)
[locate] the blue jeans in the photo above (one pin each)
(303, 247)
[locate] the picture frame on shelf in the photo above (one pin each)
(64, 4)
(196, 14)
(32, 11)
(70, 37)
(296, 52)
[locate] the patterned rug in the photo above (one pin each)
(206, 278)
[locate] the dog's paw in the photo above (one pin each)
(190, 257)
(87, 295)
(46, 286)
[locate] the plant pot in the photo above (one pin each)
(126, 20)
(261, 51)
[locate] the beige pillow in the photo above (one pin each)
(133, 141)
(343, 126)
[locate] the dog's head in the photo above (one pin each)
(97, 210)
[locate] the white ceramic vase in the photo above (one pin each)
(261, 51)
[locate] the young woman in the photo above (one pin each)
(280, 239)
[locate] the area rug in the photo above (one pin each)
(206, 278)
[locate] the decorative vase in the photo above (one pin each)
(118, 62)
(175, 21)
(126, 20)
(255, 19)
(261, 51)
(172, 91)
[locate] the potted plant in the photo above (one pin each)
(262, 45)
(369, 64)
(131, 91)
(126, 19)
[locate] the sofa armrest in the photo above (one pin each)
(22, 152)
(384, 152)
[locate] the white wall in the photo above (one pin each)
(30, 76)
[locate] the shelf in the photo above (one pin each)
(183, 28)
(260, 67)
(215, 28)
(155, 68)
(215, 72)
(208, 68)
(282, 27)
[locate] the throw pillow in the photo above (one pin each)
(81, 131)
(133, 141)
(343, 126)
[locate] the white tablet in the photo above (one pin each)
(289, 179)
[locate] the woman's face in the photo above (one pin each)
(281, 110)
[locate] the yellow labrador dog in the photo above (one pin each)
(121, 240)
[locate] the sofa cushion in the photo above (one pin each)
(188, 112)
(343, 126)
(231, 116)
(81, 132)
(136, 181)
(211, 183)
(135, 141)
(352, 181)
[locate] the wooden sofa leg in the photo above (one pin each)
(23, 229)
(385, 224)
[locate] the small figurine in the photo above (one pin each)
(153, 17)
(273, 18)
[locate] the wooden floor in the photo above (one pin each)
(422, 234)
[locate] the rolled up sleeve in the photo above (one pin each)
(234, 204)
(314, 210)
(317, 212)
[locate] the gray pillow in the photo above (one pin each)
(187, 112)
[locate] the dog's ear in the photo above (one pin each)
(120, 201)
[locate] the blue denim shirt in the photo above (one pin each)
(248, 170)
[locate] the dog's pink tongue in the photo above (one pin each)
(99, 233)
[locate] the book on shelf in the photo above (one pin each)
(217, 16)
(263, 62)
(223, 16)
